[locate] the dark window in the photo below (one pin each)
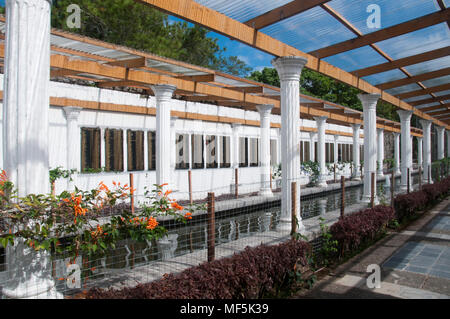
(225, 148)
(135, 150)
(151, 150)
(182, 149)
(211, 151)
(243, 152)
(113, 150)
(198, 160)
(90, 149)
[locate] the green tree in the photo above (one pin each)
(135, 25)
(314, 84)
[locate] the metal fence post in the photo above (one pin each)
(190, 186)
(132, 192)
(372, 195)
(236, 182)
(407, 180)
(342, 196)
(392, 187)
(211, 227)
(293, 208)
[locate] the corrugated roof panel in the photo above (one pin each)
(310, 30)
(242, 10)
(391, 12)
(356, 59)
(384, 77)
(403, 89)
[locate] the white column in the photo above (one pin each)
(396, 153)
(321, 120)
(73, 141)
(356, 161)
(264, 112)
(235, 147)
(125, 150)
(406, 162)
(448, 143)
(419, 151)
(335, 149)
(440, 141)
(26, 95)
(146, 160)
(173, 153)
(380, 151)
(163, 94)
(426, 126)
(369, 102)
(25, 134)
(289, 70)
(312, 136)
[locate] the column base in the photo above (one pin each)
(368, 199)
(49, 292)
(322, 182)
(266, 192)
(356, 178)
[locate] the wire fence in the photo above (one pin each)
(220, 226)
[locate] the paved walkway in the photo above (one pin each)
(415, 263)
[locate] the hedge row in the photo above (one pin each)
(252, 273)
(356, 229)
(407, 205)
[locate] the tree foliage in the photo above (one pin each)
(135, 25)
(314, 84)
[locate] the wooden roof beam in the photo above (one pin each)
(431, 100)
(283, 12)
(437, 107)
(433, 89)
(414, 79)
(198, 78)
(383, 67)
(130, 63)
(384, 34)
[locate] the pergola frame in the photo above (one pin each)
(207, 86)
(245, 32)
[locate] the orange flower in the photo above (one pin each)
(103, 187)
(188, 215)
(176, 206)
(151, 223)
(165, 184)
(168, 192)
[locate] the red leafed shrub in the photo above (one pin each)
(407, 205)
(354, 230)
(253, 273)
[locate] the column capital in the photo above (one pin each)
(369, 100)
(440, 129)
(264, 109)
(320, 119)
(163, 92)
(426, 124)
(419, 138)
(356, 127)
(235, 126)
(336, 137)
(405, 116)
(396, 134)
(289, 68)
(380, 130)
(72, 112)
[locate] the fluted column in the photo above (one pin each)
(380, 151)
(312, 136)
(73, 140)
(356, 160)
(396, 153)
(25, 134)
(26, 95)
(235, 145)
(369, 102)
(440, 141)
(320, 121)
(163, 94)
(426, 126)
(406, 161)
(419, 151)
(335, 149)
(448, 143)
(264, 112)
(289, 70)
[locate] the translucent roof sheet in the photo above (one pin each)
(437, 81)
(309, 30)
(392, 12)
(356, 59)
(385, 77)
(403, 89)
(429, 66)
(242, 10)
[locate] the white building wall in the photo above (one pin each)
(219, 180)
